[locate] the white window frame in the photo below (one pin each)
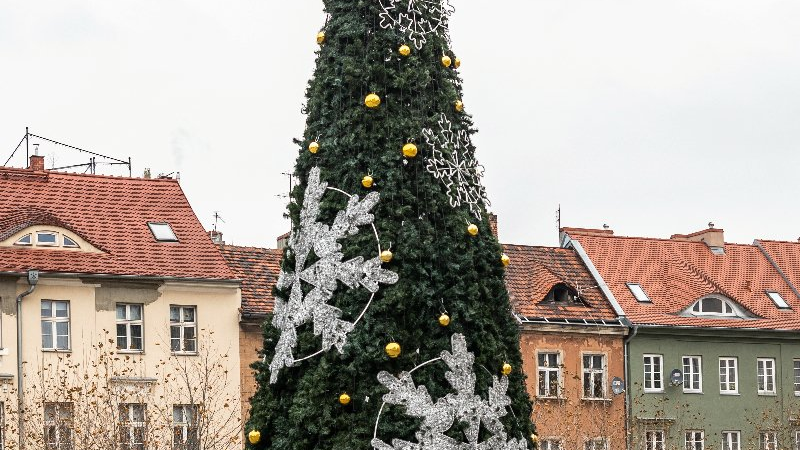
(127, 322)
(58, 426)
(47, 244)
(183, 325)
(2, 426)
(654, 440)
(768, 440)
(690, 375)
(765, 374)
(796, 363)
(593, 373)
(728, 440)
(127, 419)
(551, 443)
(598, 443)
(656, 385)
(51, 321)
(184, 426)
(724, 376)
(695, 440)
(543, 374)
(797, 440)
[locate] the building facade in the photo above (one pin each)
(119, 317)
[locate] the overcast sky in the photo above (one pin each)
(654, 117)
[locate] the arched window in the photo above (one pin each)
(717, 306)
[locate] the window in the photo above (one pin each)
(766, 376)
(797, 377)
(183, 329)
(768, 440)
(777, 299)
(46, 238)
(713, 306)
(594, 376)
(561, 293)
(58, 426)
(797, 440)
(692, 374)
(694, 440)
(184, 428)
(730, 440)
(162, 232)
(550, 444)
(68, 242)
(129, 327)
(653, 373)
(132, 426)
(638, 293)
(2, 425)
(728, 376)
(654, 440)
(24, 240)
(596, 444)
(549, 374)
(55, 325)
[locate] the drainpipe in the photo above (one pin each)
(629, 409)
(33, 278)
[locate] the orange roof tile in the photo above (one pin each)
(534, 271)
(258, 268)
(112, 214)
(676, 273)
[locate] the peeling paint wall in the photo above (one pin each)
(8, 294)
(111, 292)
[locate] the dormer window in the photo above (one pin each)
(47, 238)
(717, 306)
(162, 232)
(70, 243)
(563, 294)
(25, 240)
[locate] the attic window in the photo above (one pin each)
(778, 300)
(70, 243)
(561, 293)
(162, 232)
(46, 238)
(639, 293)
(713, 306)
(24, 240)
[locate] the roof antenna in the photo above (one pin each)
(710, 224)
(605, 226)
(217, 219)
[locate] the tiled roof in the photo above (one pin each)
(787, 256)
(112, 214)
(534, 271)
(258, 268)
(675, 273)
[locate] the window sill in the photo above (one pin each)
(693, 392)
(729, 393)
(551, 399)
(4, 352)
(767, 394)
(184, 353)
(653, 391)
(57, 350)
(130, 352)
(588, 399)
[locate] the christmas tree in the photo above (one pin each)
(392, 326)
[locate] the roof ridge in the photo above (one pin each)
(48, 173)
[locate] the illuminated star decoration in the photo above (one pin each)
(415, 18)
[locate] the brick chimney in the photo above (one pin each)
(216, 236)
(714, 238)
(37, 163)
(493, 224)
(283, 240)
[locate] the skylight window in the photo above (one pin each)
(778, 300)
(638, 293)
(162, 232)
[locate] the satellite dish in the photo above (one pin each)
(617, 385)
(676, 377)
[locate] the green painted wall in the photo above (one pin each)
(711, 411)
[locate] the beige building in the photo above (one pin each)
(129, 324)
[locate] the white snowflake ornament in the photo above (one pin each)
(323, 274)
(449, 162)
(463, 406)
(415, 18)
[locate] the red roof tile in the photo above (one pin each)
(534, 271)
(676, 273)
(112, 214)
(258, 268)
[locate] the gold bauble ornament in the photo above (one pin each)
(534, 438)
(313, 147)
(386, 256)
(393, 349)
(444, 320)
(367, 181)
(459, 105)
(472, 229)
(506, 369)
(409, 150)
(254, 437)
(457, 63)
(320, 37)
(344, 399)
(372, 101)
(405, 50)
(446, 61)
(505, 260)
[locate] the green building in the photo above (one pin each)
(713, 353)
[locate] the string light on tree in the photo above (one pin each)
(415, 18)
